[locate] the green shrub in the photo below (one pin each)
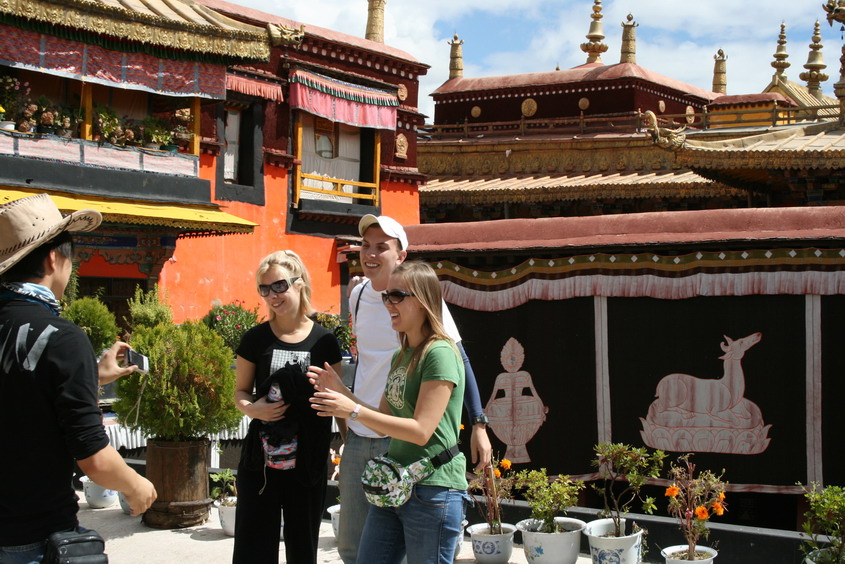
(231, 321)
(148, 309)
(547, 498)
(93, 317)
(189, 391)
(341, 328)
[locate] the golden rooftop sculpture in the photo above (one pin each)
(815, 65)
(594, 48)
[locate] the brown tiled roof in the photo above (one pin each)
(654, 228)
(569, 187)
(746, 99)
(585, 73)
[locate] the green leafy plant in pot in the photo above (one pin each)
(824, 524)
(93, 317)
(547, 536)
(231, 321)
(186, 397)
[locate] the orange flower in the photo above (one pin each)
(336, 460)
(721, 496)
(462, 426)
(672, 491)
(718, 508)
(497, 473)
(505, 464)
(701, 512)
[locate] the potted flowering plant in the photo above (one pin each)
(825, 518)
(12, 92)
(693, 499)
(492, 540)
(623, 470)
(548, 537)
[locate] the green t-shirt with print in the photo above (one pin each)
(440, 362)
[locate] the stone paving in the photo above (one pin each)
(128, 541)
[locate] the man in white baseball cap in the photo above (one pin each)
(49, 411)
(384, 247)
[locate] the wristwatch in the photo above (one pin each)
(480, 420)
(354, 415)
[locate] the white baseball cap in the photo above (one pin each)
(390, 226)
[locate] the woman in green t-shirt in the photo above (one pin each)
(421, 412)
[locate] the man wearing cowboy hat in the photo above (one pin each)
(49, 415)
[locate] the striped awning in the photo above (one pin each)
(341, 101)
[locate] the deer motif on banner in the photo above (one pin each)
(708, 415)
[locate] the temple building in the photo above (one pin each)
(574, 142)
(209, 135)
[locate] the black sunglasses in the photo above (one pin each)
(395, 296)
(277, 287)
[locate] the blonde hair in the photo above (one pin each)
(421, 280)
(291, 266)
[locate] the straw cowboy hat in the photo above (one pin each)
(29, 222)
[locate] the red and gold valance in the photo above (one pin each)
(255, 87)
(341, 101)
(90, 63)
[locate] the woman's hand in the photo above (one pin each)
(268, 410)
(329, 403)
(324, 378)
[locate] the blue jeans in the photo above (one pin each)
(354, 506)
(427, 528)
(23, 554)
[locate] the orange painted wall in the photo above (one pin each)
(206, 269)
(97, 266)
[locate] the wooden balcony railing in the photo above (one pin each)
(362, 190)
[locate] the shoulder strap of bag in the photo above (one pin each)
(357, 305)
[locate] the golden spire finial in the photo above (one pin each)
(720, 72)
(375, 20)
(629, 41)
(815, 65)
(456, 58)
(780, 63)
(594, 48)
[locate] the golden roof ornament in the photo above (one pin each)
(456, 58)
(815, 65)
(283, 36)
(835, 11)
(594, 48)
(375, 20)
(629, 40)
(780, 63)
(720, 72)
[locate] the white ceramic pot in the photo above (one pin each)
(334, 512)
(552, 548)
(677, 554)
(491, 548)
(97, 496)
(226, 513)
(7, 125)
(604, 549)
(124, 505)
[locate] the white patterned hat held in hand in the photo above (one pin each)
(27, 223)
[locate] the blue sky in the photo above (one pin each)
(674, 38)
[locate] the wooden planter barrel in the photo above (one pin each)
(179, 472)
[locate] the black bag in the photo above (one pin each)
(75, 547)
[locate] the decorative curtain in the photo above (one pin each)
(135, 71)
(255, 87)
(341, 101)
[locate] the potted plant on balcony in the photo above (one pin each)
(231, 321)
(492, 540)
(825, 525)
(693, 499)
(12, 92)
(548, 537)
(186, 397)
(157, 132)
(623, 471)
(225, 495)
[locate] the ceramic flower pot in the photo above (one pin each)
(552, 548)
(818, 556)
(7, 125)
(606, 548)
(226, 513)
(677, 554)
(97, 496)
(124, 505)
(490, 548)
(334, 512)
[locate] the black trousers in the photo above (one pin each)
(258, 517)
